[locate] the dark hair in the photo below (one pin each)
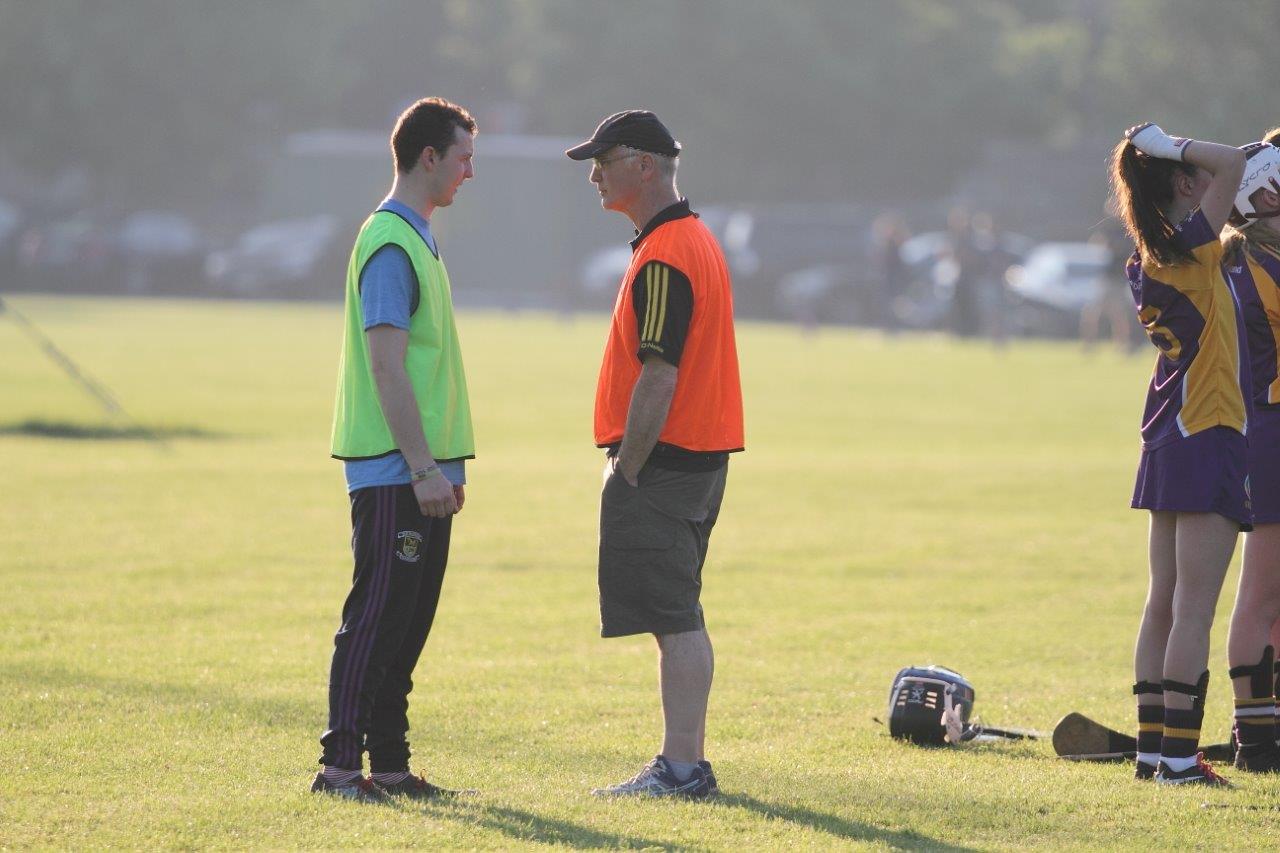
(429, 123)
(1272, 136)
(1141, 186)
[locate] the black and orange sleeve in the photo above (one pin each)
(663, 300)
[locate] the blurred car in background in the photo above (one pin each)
(790, 260)
(160, 251)
(601, 275)
(292, 258)
(72, 255)
(934, 272)
(828, 293)
(1056, 282)
(786, 261)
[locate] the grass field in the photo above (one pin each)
(168, 612)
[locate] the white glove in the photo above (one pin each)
(1151, 140)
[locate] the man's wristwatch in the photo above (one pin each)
(432, 470)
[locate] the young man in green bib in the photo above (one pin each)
(402, 426)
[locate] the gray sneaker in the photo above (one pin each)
(657, 779)
(360, 789)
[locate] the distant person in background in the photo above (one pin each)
(888, 233)
(1112, 302)
(669, 413)
(1252, 260)
(990, 260)
(965, 316)
(402, 425)
(1174, 196)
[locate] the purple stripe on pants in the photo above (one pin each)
(366, 633)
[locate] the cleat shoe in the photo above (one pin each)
(1252, 760)
(418, 788)
(657, 779)
(713, 788)
(1143, 771)
(360, 789)
(1200, 773)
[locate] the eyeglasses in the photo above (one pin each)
(600, 164)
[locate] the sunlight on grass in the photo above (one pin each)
(169, 613)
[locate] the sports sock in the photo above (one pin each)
(1276, 689)
(1182, 726)
(1177, 765)
(1255, 718)
(1151, 759)
(1255, 724)
(339, 775)
(682, 769)
(1150, 719)
(1181, 734)
(392, 778)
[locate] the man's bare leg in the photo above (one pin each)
(685, 665)
(702, 729)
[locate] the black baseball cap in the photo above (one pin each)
(639, 129)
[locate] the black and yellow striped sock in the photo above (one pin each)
(1182, 725)
(1150, 729)
(1150, 720)
(1181, 733)
(1276, 689)
(1256, 723)
(1255, 716)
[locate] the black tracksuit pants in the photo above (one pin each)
(400, 558)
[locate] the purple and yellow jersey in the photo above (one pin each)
(1191, 316)
(1256, 283)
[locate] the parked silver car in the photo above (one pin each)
(287, 258)
(1056, 283)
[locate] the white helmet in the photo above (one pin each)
(1261, 171)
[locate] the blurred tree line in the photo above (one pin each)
(815, 99)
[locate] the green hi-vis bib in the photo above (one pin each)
(432, 359)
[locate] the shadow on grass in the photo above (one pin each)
(830, 824)
(521, 825)
(104, 432)
(517, 824)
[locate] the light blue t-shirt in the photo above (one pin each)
(388, 291)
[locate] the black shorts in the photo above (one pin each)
(653, 542)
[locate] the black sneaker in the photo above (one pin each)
(1143, 771)
(713, 788)
(418, 788)
(1255, 760)
(657, 779)
(1200, 773)
(360, 789)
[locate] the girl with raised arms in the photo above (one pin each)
(1174, 196)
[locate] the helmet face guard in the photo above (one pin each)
(1261, 171)
(930, 705)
